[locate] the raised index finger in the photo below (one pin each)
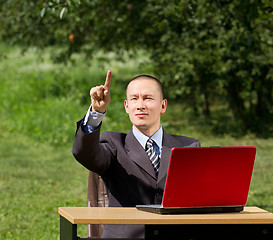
(107, 81)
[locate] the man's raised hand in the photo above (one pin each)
(100, 95)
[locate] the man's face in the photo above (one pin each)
(145, 105)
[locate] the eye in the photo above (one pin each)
(149, 98)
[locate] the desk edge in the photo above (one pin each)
(66, 215)
(63, 213)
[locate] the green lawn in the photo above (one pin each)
(40, 103)
(34, 180)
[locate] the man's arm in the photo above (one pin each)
(86, 147)
(89, 152)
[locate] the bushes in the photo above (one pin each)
(44, 100)
(209, 50)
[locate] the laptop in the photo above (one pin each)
(206, 180)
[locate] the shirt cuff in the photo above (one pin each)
(92, 120)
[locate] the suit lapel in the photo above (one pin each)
(138, 154)
(165, 157)
(164, 162)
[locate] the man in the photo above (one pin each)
(134, 170)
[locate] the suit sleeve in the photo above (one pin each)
(89, 152)
(197, 143)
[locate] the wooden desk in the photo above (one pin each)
(252, 223)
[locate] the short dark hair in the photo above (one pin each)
(149, 77)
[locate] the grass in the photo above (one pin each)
(34, 180)
(40, 103)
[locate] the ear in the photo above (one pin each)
(126, 106)
(163, 106)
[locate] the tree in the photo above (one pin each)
(207, 49)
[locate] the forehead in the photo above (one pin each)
(143, 86)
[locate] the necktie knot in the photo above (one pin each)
(155, 160)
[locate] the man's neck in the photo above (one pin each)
(146, 131)
(142, 139)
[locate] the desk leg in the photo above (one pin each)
(68, 231)
(208, 231)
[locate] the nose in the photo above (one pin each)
(140, 105)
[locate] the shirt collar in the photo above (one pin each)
(157, 137)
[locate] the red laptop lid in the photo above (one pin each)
(208, 176)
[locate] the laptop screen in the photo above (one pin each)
(208, 176)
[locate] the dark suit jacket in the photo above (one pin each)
(126, 170)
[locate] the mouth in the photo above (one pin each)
(141, 115)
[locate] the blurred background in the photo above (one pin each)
(214, 58)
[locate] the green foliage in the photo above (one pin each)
(221, 57)
(40, 103)
(206, 52)
(44, 100)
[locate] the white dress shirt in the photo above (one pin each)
(93, 119)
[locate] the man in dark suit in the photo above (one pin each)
(133, 170)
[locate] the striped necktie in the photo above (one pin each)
(153, 155)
